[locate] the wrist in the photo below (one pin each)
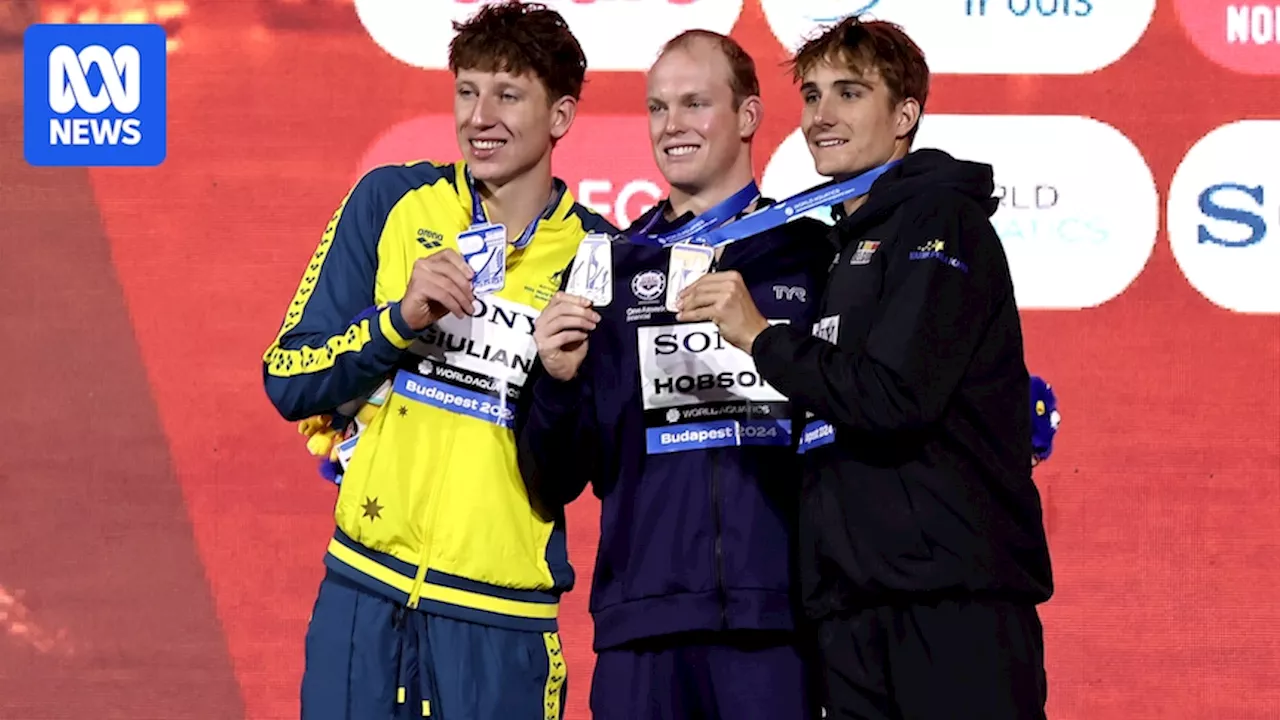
(755, 344)
(403, 320)
(753, 333)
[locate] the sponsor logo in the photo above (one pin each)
(866, 249)
(1078, 207)
(429, 239)
(417, 32)
(1044, 37)
(828, 328)
(94, 95)
(937, 250)
(495, 342)
(1223, 216)
(649, 285)
(690, 363)
(789, 292)
(616, 179)
(1242, 37)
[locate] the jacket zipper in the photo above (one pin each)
(420, 577)
(719, 548)
(715, 512)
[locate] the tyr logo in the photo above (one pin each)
(789, 292)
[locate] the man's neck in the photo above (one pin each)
(700, 200)
(519, 201)
(852, 204)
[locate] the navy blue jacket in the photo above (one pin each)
(693, 537)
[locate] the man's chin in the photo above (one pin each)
(837, 168)
(489, 172)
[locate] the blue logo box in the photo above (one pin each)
(94, 95)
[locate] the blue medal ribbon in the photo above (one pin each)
(713, 218)
(479, 218)
(793, 207)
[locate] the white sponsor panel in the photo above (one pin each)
(689, 364)
(418, 32)
(1078, 205)
(497, 341)
(1043, 37)
(1224, 215)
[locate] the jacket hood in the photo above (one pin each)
(927, 170)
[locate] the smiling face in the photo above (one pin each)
(697, 133)
(850, 120)
(506, 124)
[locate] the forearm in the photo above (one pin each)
(557, 445)
(313, 373)
(844, 387)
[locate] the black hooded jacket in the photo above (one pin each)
(914, 394)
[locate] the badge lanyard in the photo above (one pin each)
(479, 219)
(793, 207)
(713, 218)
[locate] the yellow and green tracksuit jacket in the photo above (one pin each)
(432, 510)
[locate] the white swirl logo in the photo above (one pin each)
(69, 84)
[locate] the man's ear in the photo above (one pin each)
(908, 115)
(750, 116)
(563, 111)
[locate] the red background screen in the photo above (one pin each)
(163, 528)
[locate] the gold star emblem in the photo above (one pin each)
(403, 411)
(372, 509)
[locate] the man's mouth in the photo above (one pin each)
(483, 144)
(829, 142)
(680, 150)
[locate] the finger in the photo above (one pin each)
(710, 282)
(445, 290)
(700, 314)
(443, 298)
(566, 337)
(700, 298)
(573, 299)
(459, 285)
(578, 311)
(450, 257)
(565, 322)
(552, 313)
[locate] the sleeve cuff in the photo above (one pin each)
(765, 351)
(394, 328)
(558, 396)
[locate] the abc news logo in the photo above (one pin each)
(69, 90)
(94, 95)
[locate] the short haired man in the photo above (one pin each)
(922, 546)
(442, 583)
(689, 452)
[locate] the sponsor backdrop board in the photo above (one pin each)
(165, 528)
